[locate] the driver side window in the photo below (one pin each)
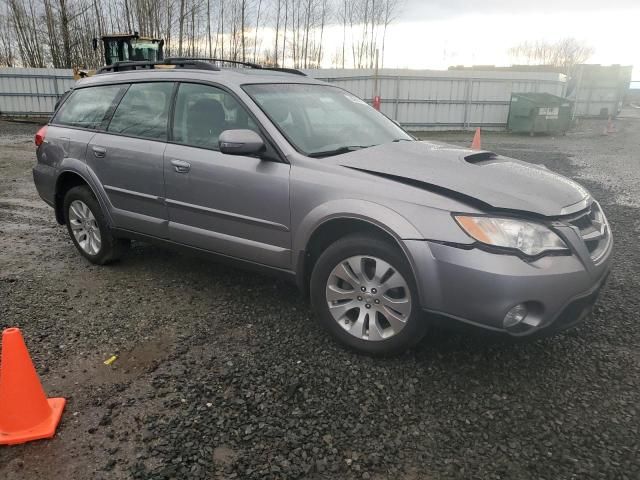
(203, 112)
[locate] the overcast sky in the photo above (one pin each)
(439, 9)
(439, 33)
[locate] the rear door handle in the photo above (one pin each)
(99, 152)
(181, 166)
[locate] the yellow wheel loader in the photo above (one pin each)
(125, 47)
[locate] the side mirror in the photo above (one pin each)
(240, 142)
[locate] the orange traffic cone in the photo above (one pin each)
(25, 412)
(610, 127)
(477, 142)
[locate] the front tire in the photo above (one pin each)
(89, 229)
(364, 293)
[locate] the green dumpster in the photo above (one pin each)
(538, 113)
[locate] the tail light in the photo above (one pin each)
(39, 140)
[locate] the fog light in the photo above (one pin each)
(515, 316)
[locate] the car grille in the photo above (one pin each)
(594, 230)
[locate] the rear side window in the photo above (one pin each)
(89, 107)
(143, 111)
(203, 112)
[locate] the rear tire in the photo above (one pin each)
(88, 228)
(383, 319)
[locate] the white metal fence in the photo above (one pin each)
(599, 91)
(32, 91)
(418, 99)
(444, 100)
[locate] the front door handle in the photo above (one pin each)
(181, 166)
(99, 152)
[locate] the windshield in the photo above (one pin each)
(321, 120)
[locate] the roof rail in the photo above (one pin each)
(166, 63)
(216, 60)
(239, 62)
(293, 71)
(189, 62)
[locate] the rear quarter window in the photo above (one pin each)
(89, 107)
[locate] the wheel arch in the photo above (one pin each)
(68, 179)
(322, 227)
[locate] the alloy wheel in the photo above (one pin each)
(84, 227)
(368, 297)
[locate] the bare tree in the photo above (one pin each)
(571, 52)
(344, 30)
(28, 44)
(7, 57)
(55, 50)
(564, 53)
(278, 11)
(324, 12)
(209, 27)
(243, 25)
(284, 39)
(391, 8)
(168, 26)
(255, 41)
(59, 32)
(181, 22)
(66, 33)
(221, 29)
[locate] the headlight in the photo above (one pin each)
(528, 237)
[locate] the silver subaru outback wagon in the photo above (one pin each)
(292, 175)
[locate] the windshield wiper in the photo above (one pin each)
(338, 151)
(402, 140)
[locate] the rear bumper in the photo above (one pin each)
(478, 287)
(44, 178)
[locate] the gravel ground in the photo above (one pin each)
(223, 374)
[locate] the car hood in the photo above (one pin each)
(484, 177)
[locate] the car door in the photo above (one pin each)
(128, 158)
(230, 204)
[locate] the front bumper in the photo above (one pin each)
(479, 287)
